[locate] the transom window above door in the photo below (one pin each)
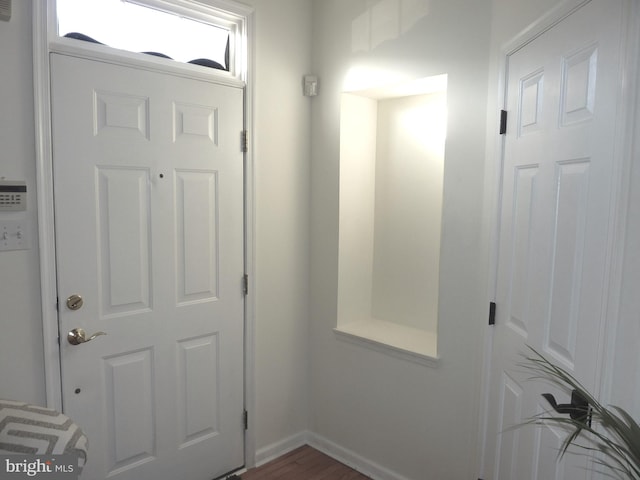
(155, 27)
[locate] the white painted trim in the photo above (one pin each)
(630, 109)
(46, 232)
(326, 446)
(224, 15)
(398, 341)
(105, 54)
(537, 28)
(250, 247)
(282, 447)
(44, 41)
(352, 459)
(629, 106)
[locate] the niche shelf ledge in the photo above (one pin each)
(407, 343)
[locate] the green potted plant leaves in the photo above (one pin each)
(609, 435)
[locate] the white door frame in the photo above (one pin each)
(627, 148)
(46, 41)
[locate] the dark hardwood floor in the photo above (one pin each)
(304, 463)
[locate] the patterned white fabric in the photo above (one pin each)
(29, 429)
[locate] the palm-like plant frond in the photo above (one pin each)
(612, 436)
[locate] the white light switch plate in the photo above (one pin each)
(13, 235)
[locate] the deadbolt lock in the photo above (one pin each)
(75, 302)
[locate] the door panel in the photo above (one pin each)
(148, 178)
(130, 420)
(198, 255)
(123, 206)
(559, 169)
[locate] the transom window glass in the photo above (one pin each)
(128, 25)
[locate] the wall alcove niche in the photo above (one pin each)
(392, 143)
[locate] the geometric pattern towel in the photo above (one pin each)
(29, 429)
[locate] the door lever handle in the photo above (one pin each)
(578, 409)
(78, 336)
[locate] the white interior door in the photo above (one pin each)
(148, 178)
(559, 176)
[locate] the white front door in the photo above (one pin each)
(560, 169)
(148, 179)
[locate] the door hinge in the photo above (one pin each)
(244, 141)
(503, 122)
(245, 419)
(492, 313)
(245, 284)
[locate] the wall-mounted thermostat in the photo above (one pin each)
(13, 196)
(5, 10)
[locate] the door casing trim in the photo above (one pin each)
(44, 42)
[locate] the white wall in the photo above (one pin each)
(623, 384)
(282, 129)
(415, 420)
(21, 356)
(408, 210)
(281, 150)
(625, 381)
(358, 124)
(391, 175)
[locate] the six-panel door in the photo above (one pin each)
(559, 168)
(148, 178)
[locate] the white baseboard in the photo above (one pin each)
(343, 455)
(352, 459)
(277, 449)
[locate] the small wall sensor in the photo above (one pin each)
(310, 85)
(5, 10)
